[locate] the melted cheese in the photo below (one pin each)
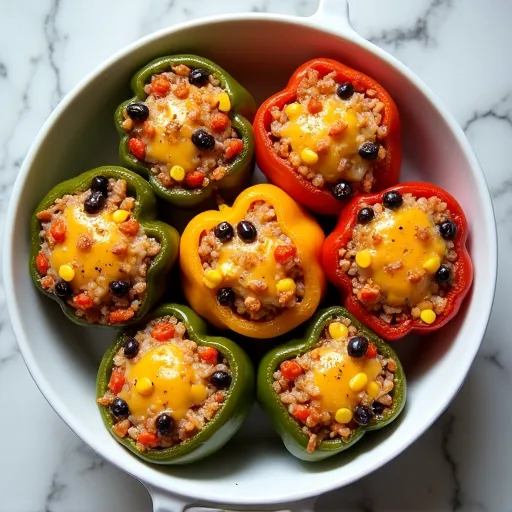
(174, 387)
(263, 269)
(171, 150)
(98, 260)
(333, 372)
(399, 243)
(305, 130)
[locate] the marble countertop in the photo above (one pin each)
(461, 49)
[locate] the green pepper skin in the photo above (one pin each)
(242, 107)
(144, 212)
(288, 428)
(228, 419)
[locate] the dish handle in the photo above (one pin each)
(333, 15)
(168, 502)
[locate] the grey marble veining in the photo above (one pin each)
(462, 50)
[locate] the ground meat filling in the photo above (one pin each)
(253, 266)
(337, 387)
(182, 129)
(401, 257)
(332, 134)
(164, 388)
(93, 254)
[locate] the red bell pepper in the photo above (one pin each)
(280, 172)
(462, 273)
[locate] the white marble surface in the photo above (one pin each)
(461, 48)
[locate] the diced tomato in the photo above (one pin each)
(369, 295)
(129, 228)
(160, 86)
(314, 106)
(208, 354)
(149, 129)
(232, 148)
(137, 148)
(83, 301)
(301, 412)
(371, 352)
(148, 439)
(118, 316)
(291, 369)
(284, 253)
(194, 179)
(42, 264)
(163, 331)
(219, 122)
(116, 382)
(58, 230)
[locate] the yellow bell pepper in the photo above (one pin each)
(299, 226)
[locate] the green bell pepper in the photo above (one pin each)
(144, 212)
(242, 107)
(289, 429)
(228, 419)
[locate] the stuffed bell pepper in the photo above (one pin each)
(332, 133)
(97, 250)
(399, 258)
(254, 267)
(325, 391)
(185, 129)
(171, 394)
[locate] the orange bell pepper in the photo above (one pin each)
(299, 226)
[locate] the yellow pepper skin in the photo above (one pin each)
(294, 222)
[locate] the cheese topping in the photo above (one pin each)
(333, 372)
(263, 268)
(305, 130)
(173, 380)
(98, 259)
(397, 241)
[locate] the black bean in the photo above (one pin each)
(120, 408)
(164, 423)
(203, 140)
(448, 229)
(357, 346)
(119, 288)
(95, 202)
(378, 408)
(345, 90)
(224, 231)
(63, 290)
(226, 297)
(198, 76)
(342, 190)
(137, 111)
(362, 415)
(246, 231)
(392, 199)
(221, 380)
(100, 183)
(443, 274)
(131, 348)
(365, 215)
(369, 150)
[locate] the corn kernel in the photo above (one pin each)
(199, 393)
(224, 102)
(364, 258)
(293, 109)
(358, 382)
(144, 386)
(66, 272)
(309, 156)
(343, 415)
(286, 285)
(120, 216)
(373, 389)
(432, 264)
(337, 330)
(177, 173)
(212, 278)
(428, 316)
